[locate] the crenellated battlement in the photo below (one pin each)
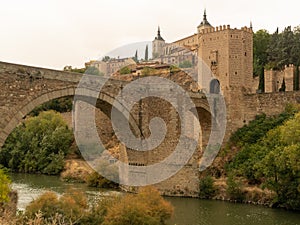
(224, 28)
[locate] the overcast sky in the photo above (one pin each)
(55, 33)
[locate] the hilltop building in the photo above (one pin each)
(110, 66)
(227, 52)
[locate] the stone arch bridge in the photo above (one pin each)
(23, 88)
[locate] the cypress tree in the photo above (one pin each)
(261, 86)
(136, 56)
(146, 53)
(282, 89)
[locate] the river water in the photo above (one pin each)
(187, 211)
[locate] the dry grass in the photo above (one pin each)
(253, 194)
(76, 170)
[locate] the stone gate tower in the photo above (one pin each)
(229, 54)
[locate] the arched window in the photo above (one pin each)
(214, 87)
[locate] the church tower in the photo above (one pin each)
(204, 24)
(157, 45)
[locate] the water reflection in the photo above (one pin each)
(206, 212)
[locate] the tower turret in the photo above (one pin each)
(204, 24)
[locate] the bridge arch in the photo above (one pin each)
(19, 113)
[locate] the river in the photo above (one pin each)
(188, 211)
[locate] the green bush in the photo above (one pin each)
(96, 180)
(185, 64)
(207, 188)
(234, 189)
(174, 69)
(125, 70)
(258, 128)
(273, 162)
(146, 71)
(4, 187)
(39, 145)
(59, 105)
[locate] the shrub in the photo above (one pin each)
(125, 70)
(258, 128)
(96, 180)
(70, 207)
(185, 64)
(38, 145)
(146, 71)
(4, 187)
(147, 207)
(234, 189)
(207, 188)
(174, 69)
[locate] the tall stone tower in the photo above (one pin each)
(157, 45)
(228, 53)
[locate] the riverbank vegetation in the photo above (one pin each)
(147, 207)
(8, 199)
(39, 145)
(268, 157)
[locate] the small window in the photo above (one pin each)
(245, 53)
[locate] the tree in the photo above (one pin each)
(261, 41)
(146, 53)
(286, 43)
(261, 85)
(106, 58)
(61, 105)
(135, 58)
(92, 70)
(38, 145)
(283, 87)
(274, 162)
(207, 188)
(274, 51)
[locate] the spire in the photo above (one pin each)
(158, 35)
(204, 23)
(158, 32)
(204, 15)
(251, 25)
